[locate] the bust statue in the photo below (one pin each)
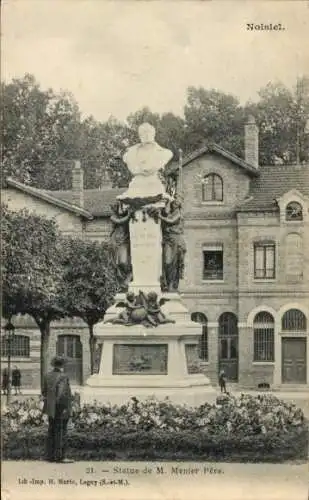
(144, 160)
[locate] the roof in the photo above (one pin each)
(49, 197)
(274, 181)
(215, 148)
(96, 201)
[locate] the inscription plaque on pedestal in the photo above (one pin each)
(192, 358)
(140, 359)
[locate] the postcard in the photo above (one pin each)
(155, 216)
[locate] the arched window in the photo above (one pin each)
(203, 341)
(19, 346)
(293, 211)
(212, 188)
(263, 337)
(228, 336)
(294, 256)
(294, 320)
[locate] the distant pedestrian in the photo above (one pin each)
(16, 380)
(57, 406)
(222, 381)
(5, 381)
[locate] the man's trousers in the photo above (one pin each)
(56, 438)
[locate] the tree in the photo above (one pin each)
(101, 144)
(282, 114)
(213, 116)
(89, 283)
(31, 271)
(41, 133)
(170, 129)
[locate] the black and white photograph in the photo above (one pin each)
(155, 249)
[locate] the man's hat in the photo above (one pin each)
(58, 361)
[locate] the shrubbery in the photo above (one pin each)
(245, 428)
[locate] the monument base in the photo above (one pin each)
(160, 362)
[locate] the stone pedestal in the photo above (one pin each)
(145, 362)
(146, 253)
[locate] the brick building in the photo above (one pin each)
(247, 264)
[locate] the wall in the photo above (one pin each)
(30, 367)
(235, 185)
(15, 199)
(98, 229)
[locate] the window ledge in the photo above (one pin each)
(293, 221)
(213, 281)
(15, 359)
(259, 363)
(295, 333)
(215, 203)
(265, 280)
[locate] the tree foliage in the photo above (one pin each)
(31, 271)
(50, 277)
(282, 114)
(43, 132)
(100, 147)
(213, 116)
(89, 282)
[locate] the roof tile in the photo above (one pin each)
(96, 201)
(273, 182)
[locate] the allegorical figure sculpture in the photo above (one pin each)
(145, 160)
(120, 240)
(173, 245)
(141, 309)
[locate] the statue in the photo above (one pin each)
(173, 245)
(145, 160)
(154, 309)
(141, 310)
(120, 240)
(133, 311)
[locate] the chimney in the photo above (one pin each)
(77, 184)
(252, 142)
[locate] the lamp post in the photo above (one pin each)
(9, 332)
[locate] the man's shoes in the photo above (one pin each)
(65, 461)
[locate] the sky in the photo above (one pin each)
(118, 56)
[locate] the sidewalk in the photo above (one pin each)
(281, 394)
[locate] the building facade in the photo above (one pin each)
(247, 265)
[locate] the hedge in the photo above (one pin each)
(248, 429)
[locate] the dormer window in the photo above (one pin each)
(294, 211)
(212, 188)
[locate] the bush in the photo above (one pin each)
(248, 428)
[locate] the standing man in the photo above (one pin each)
(222, 381)
(57, 405)
(16, 380)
